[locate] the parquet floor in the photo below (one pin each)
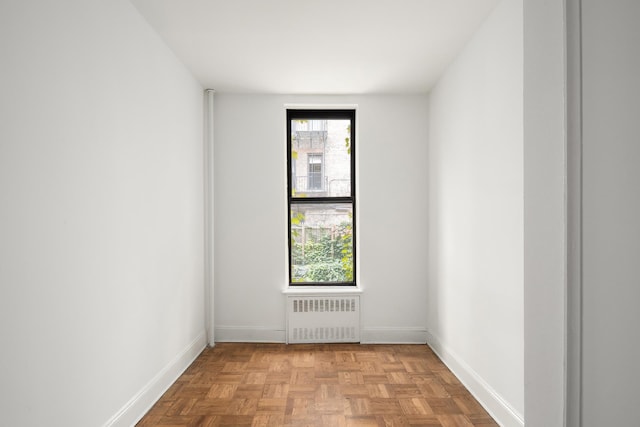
(263, 385)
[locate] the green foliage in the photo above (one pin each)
(296, 219)
(346, 251)
(325, 272)
(347, 142)
(320, 251)
(326, 258)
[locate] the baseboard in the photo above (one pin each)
(139, 404)
(249, 334)
(368, 335)
(415, 335)
(503, 413)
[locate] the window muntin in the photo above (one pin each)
(320, 143)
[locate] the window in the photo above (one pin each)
(322, 203)
(314, 175)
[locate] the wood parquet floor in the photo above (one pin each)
(264, 385)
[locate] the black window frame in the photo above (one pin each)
(322, 114)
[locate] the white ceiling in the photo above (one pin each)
(316, 46)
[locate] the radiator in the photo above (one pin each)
(323, 319)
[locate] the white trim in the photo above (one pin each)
(503, 413)
(321, 107)
(250, 334)
(209, 217)
(321, 290)
(139, 404)
(573, 191)
(384, 335)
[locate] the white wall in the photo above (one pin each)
(101, 219)
(251, 215)
(611, 209)
(475, 294)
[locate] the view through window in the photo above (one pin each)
(321, 195)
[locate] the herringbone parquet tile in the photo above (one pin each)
(264, 385)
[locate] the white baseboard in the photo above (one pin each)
(273, 335)
(415, 335)
(249, 334)
(139, 404)
(503, 413)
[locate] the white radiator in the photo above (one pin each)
(323, 319)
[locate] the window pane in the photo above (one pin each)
(320, 158)
(322, 243)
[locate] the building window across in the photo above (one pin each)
(322, 203)
(315, 175)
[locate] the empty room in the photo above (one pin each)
(340, 213)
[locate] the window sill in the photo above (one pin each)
(322, 290)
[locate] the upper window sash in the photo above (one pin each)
(326, 137)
